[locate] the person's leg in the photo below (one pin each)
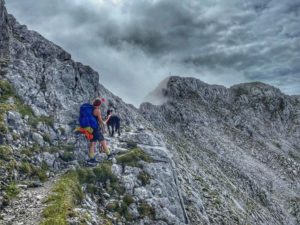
(92, 146)
(104, 148)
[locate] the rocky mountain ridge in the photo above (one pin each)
(205, 155)
(236, 149)
(41, 89)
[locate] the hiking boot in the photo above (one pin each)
(93, 160)
(110, 156)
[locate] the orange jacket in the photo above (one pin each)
(86, 131)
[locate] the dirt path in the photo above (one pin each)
(27, 208)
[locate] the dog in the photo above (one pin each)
(114, 123)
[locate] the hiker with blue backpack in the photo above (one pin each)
(90, 117)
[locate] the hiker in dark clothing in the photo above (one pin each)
(97, 134)
(113, 124)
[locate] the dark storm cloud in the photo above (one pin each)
(134, 44)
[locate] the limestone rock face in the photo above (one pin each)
(46, 78)
(218, 155)
(39, 119)
(236, 150)
(4, 38)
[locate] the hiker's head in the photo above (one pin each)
(97, 102)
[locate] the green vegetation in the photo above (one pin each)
(67, 156)
(34, 120)
(112, 206)
(5, 152)
(7, 92)
(85, 218)
(133, 158)
(26, 168)
(144, 178)
(46, 138)
(128, 199)
(11, 166)
(58, 148)
(121, 209)
(105, 220)
(86, 175)
(30, 151)
(67, 193)
(34, 171)
(12, 191)
(15, 136)
(101, 174)
(146, 210)
(131, 144)
(104, 173)
(22, 108)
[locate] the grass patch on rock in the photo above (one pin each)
(33, 171)
(131, 144)
(121, 208)
(67, 156)
(144, 178)
(146, 210)
(30, 151)
(11, 101)
(67, 193)
(35, 120)
(5, 152)
(11, 191)
(46, 138)
(133, 158)
(7, 92)
(102, 174)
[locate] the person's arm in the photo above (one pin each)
(97, 113)
(107, 118)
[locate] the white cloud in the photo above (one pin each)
(135, 44)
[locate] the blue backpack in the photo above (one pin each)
(86, 118)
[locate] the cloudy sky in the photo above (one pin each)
(134, 44)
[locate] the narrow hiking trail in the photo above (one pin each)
(162, 185)
(27, 208)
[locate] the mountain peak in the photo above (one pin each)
(256, 89)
